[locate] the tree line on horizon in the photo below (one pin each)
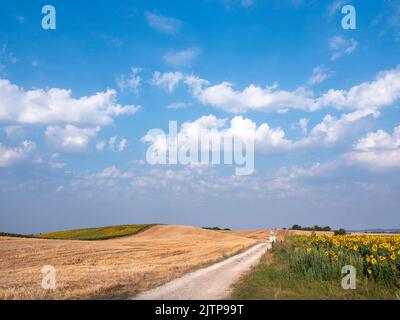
(340, 231)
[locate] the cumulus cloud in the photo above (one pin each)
(55, 106)
(181, 58)
(377, 150)
(215, 130)
(330, 132)
(168, 25)
(253, 97)
(383, 91)
(341, 47)
(167, 80)
(333, 130)
(12, 155)
(70, 138)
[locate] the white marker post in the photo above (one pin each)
(272, 238)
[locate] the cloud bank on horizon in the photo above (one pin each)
(76, 104)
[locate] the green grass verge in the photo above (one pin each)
(273, 279)
(96, 233)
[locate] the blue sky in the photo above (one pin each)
(77, 102)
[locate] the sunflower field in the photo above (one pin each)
(376, 257)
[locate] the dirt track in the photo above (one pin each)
(211, 283)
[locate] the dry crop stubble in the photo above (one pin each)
(115, 268)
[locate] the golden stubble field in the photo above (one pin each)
(117, 268)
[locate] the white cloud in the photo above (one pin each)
(302, 124)
(381, 92)
(330, 132)
(117, 146)
(132, 83)
(122, 145)
(379, 160)
(168, 25)
(319, 75)
(70, 138)
(178, 105)
(341, 47)
(114, 173)
(11, 155)
(57, 165)
(253, 97)
(14, 132)
(114, 144)
(377, 150)
(167, 80)
(333, 130)
(181, 58)
(266, 139)
(285, 175)
(55, 105)
(100, 145)
(379, 140)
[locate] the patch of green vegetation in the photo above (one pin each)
(273, 279)
(314, 228)
(216, 228)
(15, 235)
(96, 233)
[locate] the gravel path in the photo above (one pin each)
(211, 283)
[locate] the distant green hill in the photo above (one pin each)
(103, 233)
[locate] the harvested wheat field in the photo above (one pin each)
(116, 268)
(259, 235)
